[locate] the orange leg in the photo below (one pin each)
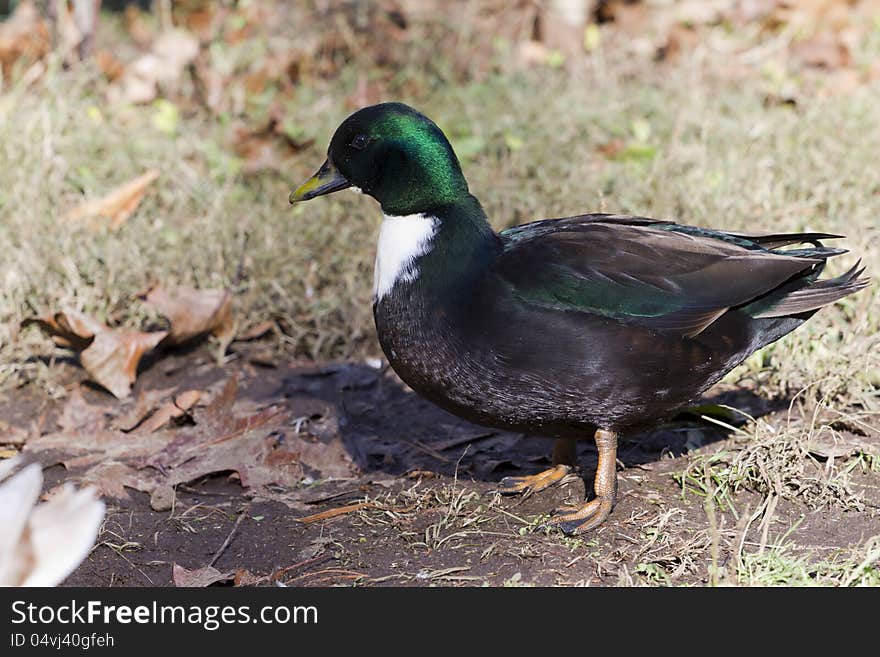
(579, 519)
(564, 454)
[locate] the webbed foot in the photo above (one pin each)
(534, 483)
(578, 519)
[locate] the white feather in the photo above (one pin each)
(17, 498)
(41, 544)
(401, 241)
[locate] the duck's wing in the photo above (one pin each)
(658, 274)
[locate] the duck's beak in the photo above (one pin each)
(325, 181)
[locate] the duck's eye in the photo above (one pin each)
(360, 142)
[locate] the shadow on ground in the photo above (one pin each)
(425, 483)
(389, 429)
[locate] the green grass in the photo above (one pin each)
(783, 564)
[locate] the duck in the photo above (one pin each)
(596, 325)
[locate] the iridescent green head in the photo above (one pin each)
(396, 155)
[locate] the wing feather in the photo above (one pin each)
(658, 274)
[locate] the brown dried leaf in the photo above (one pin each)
(79, 415)
(118, 204)
(223, 442)
(255, 332)
(141, 30)
(245, 577)
(111, 67)
(110, 356)
(187, 399)
(259, 447)
(193, 312)
(338, 511)
(110, 458)
(350, 508)
(823, 51)
(68, 328)
(200, 577)
(24, 35)
(111, 478)
(265, 148)
(630, 18)
(612, 149)
(79, 449)
(146, 403)
(171, 410)
(172, 52)
(563, 32)
(112, 359)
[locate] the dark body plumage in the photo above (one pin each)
(594, 324)
(591, 321)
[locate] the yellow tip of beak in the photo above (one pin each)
(325, 181)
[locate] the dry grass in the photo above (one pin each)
(722, 159)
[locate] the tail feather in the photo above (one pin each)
(785, 239)
(821, 252)
(818, 294)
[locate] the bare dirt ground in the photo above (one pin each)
(424, 481)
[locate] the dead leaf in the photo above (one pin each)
(187, 399)
(193, 312)
(367, 91)
(77, 449)
(172, 52)
(266, 147)
(679, 40)
(112, 359)
(177, 49)
(146, 403)
(344, 510)
(822, 51)
(222, 441)
(200, 577)
(261, 447)
(562, 31)
(109, 355)
(23, 36)
(139, 28)
(111, 478)
(533, 53)
(118, 205)
(255, 332)
(111, 67)
(631, 18)
(79, 415)
(171, 410)
(338, 511)
(842, 82)
(612, 149)
(245, 577)
(68, 328)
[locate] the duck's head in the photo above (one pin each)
(393, 153)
